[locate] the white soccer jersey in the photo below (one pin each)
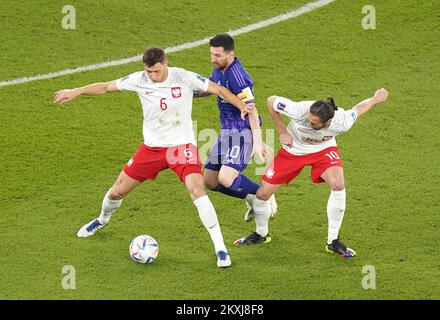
(166, 105)
(306, 140)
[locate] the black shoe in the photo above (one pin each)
(253, 238)
(337, 246)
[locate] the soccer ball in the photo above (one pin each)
(144, 249)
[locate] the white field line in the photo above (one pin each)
(188, 45)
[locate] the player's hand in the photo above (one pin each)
(286, 139)
(65, 95)
(381, 95)
(262, 150)
(248, 108)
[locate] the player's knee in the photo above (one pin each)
(210, 183)
(263, 195)
(197, 192)
(337, 186)
(116, 194)
(225, 180)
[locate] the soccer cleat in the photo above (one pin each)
(273, 206)
(250, 214)
(223, 259)
(253, 238)
(90, 228)
(340, 248)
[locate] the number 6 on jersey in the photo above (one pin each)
(163, 105)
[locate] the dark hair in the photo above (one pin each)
(153, 55)
(222, 40)
(324, 109)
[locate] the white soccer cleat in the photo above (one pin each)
(90, 228)
(223, 259)
(273, 206)
(250, 214)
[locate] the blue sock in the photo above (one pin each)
(229, 192)
(240, 188)
(244, 185)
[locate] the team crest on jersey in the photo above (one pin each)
(176, 92)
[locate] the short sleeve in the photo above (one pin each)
(346, 121)
(130, 82)
(241, 84)
(193, 81)
(292, 109)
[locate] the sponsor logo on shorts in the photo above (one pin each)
(130, 162)
(270, 172)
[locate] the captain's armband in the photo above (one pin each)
(246, 95)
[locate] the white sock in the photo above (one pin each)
(108, 207)
(250, 199)
(262, 213)
(209, 219)
(335, 213)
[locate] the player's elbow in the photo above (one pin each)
(270, 101)
(110, 86)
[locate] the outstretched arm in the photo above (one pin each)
(201, 94)
(285, 137)
(94, 89)
(379, 96)
(228, 96)
(258, 146)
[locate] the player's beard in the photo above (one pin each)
(221, 67)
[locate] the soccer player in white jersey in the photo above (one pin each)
(166, 95)
(309, 140)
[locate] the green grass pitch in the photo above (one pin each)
(59, 161)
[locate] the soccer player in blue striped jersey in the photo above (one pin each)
(240, 139)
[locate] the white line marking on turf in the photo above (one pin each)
(282, 17)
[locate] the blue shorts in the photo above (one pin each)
(233, 149)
